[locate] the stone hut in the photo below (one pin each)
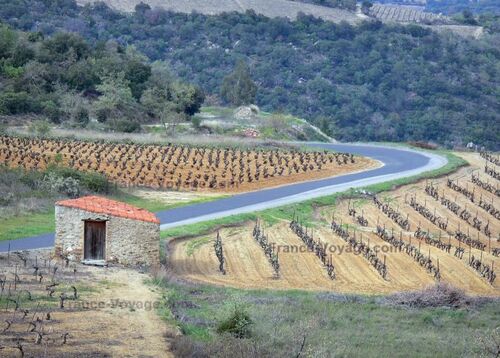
(98, 230)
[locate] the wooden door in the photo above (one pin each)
(95, 240)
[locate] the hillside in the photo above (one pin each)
(373, 81)
(274, 8)
(291, 9)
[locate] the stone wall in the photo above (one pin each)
(128, 242)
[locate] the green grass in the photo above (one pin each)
(334, 325)
(206, 226)
(26, 225)
(34, 224)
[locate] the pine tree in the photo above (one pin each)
(238, 87)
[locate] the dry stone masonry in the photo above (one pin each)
(130, 236)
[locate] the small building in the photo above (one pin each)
(98, 230)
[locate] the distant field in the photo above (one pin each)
(290, 9)
(274, 8)
(404, 14)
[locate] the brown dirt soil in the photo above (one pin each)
(181, 167)
(112, 330)
(247, 267)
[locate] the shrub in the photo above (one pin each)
(439, 295)
(55, 184)
(423, 145)
(237, 324)
(101, 115)
(52, 111)
(81, 116)
(40, 128)
(16, 102)
(125, 125)
(96, 182)
(196, 121)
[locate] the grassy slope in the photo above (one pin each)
(335, 325)
(262, 122)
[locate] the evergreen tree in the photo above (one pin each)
(238, 87)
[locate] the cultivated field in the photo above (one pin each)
(180, 167)
(290, 9)
(50, 308)
(406, 239)
(275, 8)
(399, 13)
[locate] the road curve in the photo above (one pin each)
(397, 163)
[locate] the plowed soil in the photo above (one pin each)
(247, 267)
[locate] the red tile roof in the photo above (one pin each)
(97, 204)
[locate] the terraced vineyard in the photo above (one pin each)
(405, 14)
(180, 167)
(447, 230)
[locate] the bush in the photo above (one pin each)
(52, 111)
(102, 115)
(81, 117)
(55, 184)
(423, 145)
(94, 182)
(237, 324)
(40, 128)
(439, 295)
(16, 102)
(125, 125)
(196, 121)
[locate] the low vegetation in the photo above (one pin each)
(296, 323)
(249, 123)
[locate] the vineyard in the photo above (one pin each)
(50, 307)
(441, 230)
(180, 167)
(405, 14)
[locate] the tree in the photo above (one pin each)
(238, 88)
(168, 100)
(116, 98)
(468, 17)
(365, 7)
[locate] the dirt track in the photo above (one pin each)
(247, 267)
(114, 314)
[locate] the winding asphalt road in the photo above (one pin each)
(396, 163)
